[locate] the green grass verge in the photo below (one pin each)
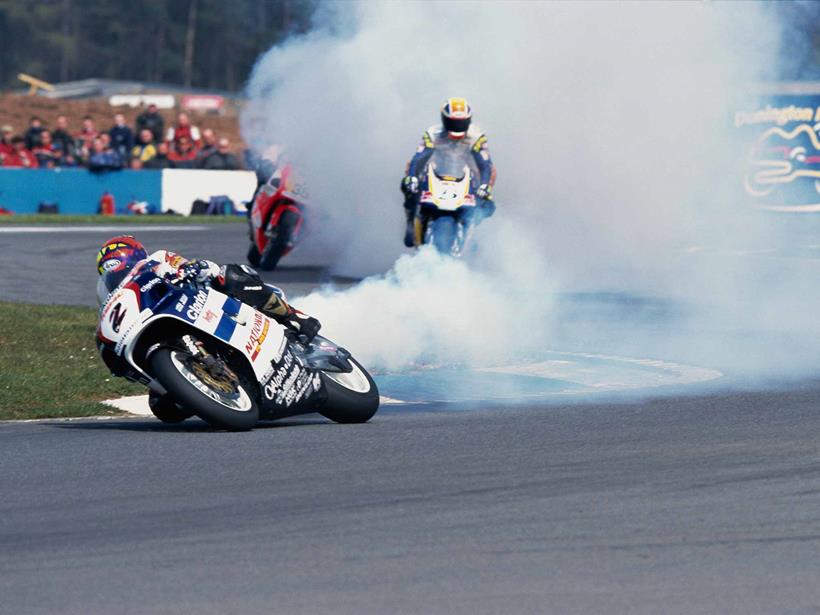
(117, 220)
(49, 366)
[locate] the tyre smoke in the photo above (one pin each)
(609, 124)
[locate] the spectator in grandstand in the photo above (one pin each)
(32, 136)
(46, 154)
(145, 149)
(20, 156)
(208, 146)
(183, 128)
(183, 156)
(222, 159)
(63, 140)
(85, 138)
(6, 134)
(122, 138)
(136, 164)
(160, 161)
(101, 158)
(151, 120)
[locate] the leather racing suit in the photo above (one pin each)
(239, 281)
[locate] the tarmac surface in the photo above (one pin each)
(694, 502)
(683, 505)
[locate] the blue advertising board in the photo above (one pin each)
(76, 191)
(783, 152)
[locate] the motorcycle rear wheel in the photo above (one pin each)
(190, 386)
(164, 408)
(278, 244)
(351, 397)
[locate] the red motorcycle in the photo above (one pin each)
(276, 220)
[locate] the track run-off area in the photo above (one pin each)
(602, 483)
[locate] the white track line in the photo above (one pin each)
(615, 379)
(99, 229)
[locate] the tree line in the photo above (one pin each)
(202, 43)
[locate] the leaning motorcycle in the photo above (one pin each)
(276, 220)
(201, 352)
(447, 210)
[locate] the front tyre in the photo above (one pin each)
(280, 242)
(254, 257)
(444, 233)
(224, 402)
(352, 397)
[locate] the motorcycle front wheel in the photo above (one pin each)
(254, 257)
(279, 243)
(222, 401)
(443, 231)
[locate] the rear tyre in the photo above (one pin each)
(351, 397)
(166, 410)
(280, 241)
(444, 234)
(225, 404)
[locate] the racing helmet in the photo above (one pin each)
(116, 258)
(455, 117)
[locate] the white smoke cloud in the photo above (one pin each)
(608, 123)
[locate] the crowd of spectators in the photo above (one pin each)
(147, 146)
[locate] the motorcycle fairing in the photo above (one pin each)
(146, 298)
(446, 192)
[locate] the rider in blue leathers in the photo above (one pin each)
(457, 133)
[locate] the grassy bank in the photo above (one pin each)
(118, 220)
(49, 366)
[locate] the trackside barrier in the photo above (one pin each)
(181, 187)
(78, 191)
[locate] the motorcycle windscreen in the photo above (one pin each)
(449, 163)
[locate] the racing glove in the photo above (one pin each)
(410, 185)
(484, 192)
(303, 324)
(197, 271)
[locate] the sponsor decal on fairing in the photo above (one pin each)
(149, 285)
(259, 331)
(196, 307)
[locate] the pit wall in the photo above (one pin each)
(78, 191)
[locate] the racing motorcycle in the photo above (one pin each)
(447, 206)
(276, 220)
(201, 352)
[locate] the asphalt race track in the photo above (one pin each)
(59, 267)
(697, 502)
(700, 505)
